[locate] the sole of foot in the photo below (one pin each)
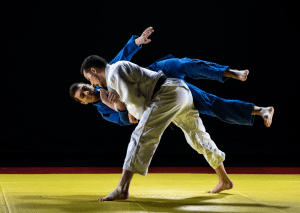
(242, 75)
(267, 114)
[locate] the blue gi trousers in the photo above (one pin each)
(229, 111)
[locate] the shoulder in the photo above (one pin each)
(126, 63)
(123, 66)
(118, 65)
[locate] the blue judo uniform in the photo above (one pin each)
(230, 111)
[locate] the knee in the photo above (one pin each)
(184, 97)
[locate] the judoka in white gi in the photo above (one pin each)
(156, 101)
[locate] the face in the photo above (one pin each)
(95, 78)
(86, 94)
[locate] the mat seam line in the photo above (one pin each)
(4, 198)
(258, 201)
(139, 205)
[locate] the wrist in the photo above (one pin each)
(138, 41)
(120, 106)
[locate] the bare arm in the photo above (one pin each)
(120, 106)
(114, 97)
(106, 100)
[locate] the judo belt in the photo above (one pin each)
(159, 83)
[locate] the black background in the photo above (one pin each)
(48, 42)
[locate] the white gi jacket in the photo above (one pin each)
(125, 78)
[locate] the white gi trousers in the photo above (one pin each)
(172, 103)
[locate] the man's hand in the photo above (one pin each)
(132, 119)
(143, 39)
(113, 96)
(104, 98)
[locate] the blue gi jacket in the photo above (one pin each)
(125, 54)
(107, 113)
(120, 117)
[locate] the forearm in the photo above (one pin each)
(109, 104)
(138, 41)
(120, 118)
(128, 51)
(120, 106)
(133, 45)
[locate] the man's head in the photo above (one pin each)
(84, 93)
(93, 69)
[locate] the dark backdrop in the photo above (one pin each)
(45, 127)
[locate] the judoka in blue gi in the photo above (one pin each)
(229, 111)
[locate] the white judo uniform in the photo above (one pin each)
(173, 102)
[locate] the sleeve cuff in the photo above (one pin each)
(121, 111)
(124, 117)
(133, 40)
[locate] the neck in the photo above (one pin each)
(103, 78)
(97, 100)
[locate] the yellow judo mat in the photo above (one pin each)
(43, 193)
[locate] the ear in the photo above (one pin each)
(93, 70)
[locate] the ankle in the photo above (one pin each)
(224, 180)
(122, 189)
(256, 110)
(228, 73)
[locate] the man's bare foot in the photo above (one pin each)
(115, 195)
(221, 187)
(267, 114)
(237, 74)
(243, 74)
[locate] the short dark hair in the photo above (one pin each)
(92, 61)
(73, 90)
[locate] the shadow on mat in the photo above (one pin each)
(174, 205)
(89, 203)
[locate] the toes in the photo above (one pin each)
(268, 118)
(268, 122)
(105, 199)
(271, 111)
(246, 75)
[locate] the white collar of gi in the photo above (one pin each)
(107, 67)
(107, 70)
